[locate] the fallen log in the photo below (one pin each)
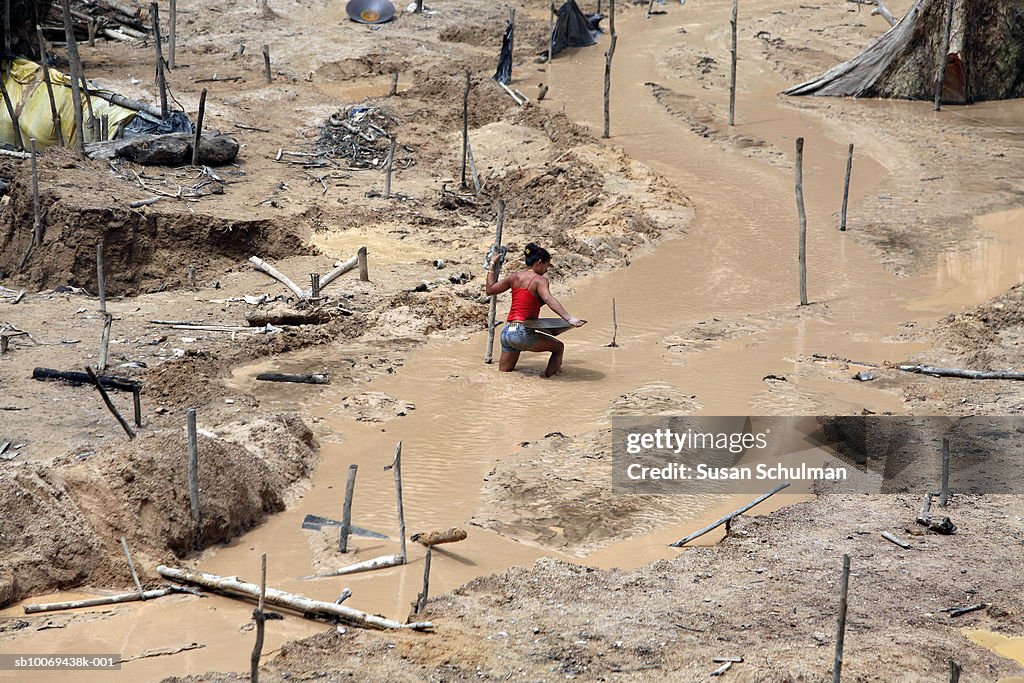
(896, 539)
(95, 602)
(382, 562)
(957, 372)
(430, 538)
(299, 379)
(736, 513)
(232, 587)
(108, 382)
(264, 267)
(288, 315)
(338, 271)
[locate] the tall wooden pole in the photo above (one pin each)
(608, 65)
(846, 188)
(76, 75)
(803, 219)
(732, 68)
(940, 71)
(489, 357)
(199, 128)
(844, 585)
(261, 619)
(346, 515)
(465, 127)
(172, 38)
(396, 467)
(161, 78)
(45, 66)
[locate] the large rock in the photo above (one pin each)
(172, 149)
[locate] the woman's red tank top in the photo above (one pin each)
(525, 304)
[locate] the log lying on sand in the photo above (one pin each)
(170, 149)
(430, 538)
(232, 587)
(95, 602)
(290, 315)
(729, 517)
(957, 372)
(299, 379)
(108, 382)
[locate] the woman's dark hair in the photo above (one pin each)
(534, 254)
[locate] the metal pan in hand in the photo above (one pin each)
(552, 326)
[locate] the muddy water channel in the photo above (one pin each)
(736, 262)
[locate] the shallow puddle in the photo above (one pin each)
(1004, 646)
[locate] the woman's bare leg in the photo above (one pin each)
(508, 360)
(556, 348)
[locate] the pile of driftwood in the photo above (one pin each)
(115, 19)
(361, 136)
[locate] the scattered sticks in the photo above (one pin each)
(346, 515)
(960, 611)
(729, 517)
(803, 219)
(492, 313)
(846, 189)
(109, 404)
(844, 585)
(608, 65)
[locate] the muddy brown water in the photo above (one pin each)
(738, 258)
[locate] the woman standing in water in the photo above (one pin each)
(529, 292)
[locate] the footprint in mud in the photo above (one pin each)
(372, 406)
(654, 399)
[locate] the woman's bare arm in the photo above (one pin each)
(545, 295)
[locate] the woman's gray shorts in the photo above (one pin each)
(516, 336)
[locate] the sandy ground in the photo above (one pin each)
(767, 593)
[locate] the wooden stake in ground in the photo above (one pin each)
(266, 64)
(37, 223)
(346, 515)
(729, 517)
(261, 618)
(615, 326)
(161, 78)
(846, 188)
(314, 286)
(131, 567)
(608, 64)
(104, 342)
(492, 313)
(954, 671)
(99, 277)
(396, 468)
(76, 72)
(844, 585)
(551, 34)
(940, 71)
(387, 170)
(732, 68)
(364, 268)
(15, 125)
(944, 493)
(421, 599)
(172, 38)
(109, 404)
(92, 32)
(199, 128)
(465, 127)
(193, 471)
(394, 84)
(803, 219)
(44, 65)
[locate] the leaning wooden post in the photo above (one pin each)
(266, 64)
(193, 471)
(261, 618)
(137, 401)
(44, 65)
(364, 268)
(421, 600)
(465, 127)
(803, 219)
(131, 567)
(161, 79)
(199, 128)
(608, 65)
(846, 188)
(732, 68)
(105, 342)
(844, 585)
(394, 84)
(346, 515)
(387, 170)
(940, 72)
(944, 494)
(13, 115)
(76, 70)
(396, 468)
(37, 223)
(172, 38)
(99, 277)
(489, 357)
(110, 405)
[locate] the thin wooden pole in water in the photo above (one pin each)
(608, 66)
(346, 515)
(396, 467)
(131, 567)
(421, 600)
(193, 470)
(940, 71)
(844, 585)
(489, 357)
(261, 619)
(803, 219)
(615, 326)
(732, 69)
(846, 188)
(944, 494)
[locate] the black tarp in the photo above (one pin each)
(504, 72)
(573, 28)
